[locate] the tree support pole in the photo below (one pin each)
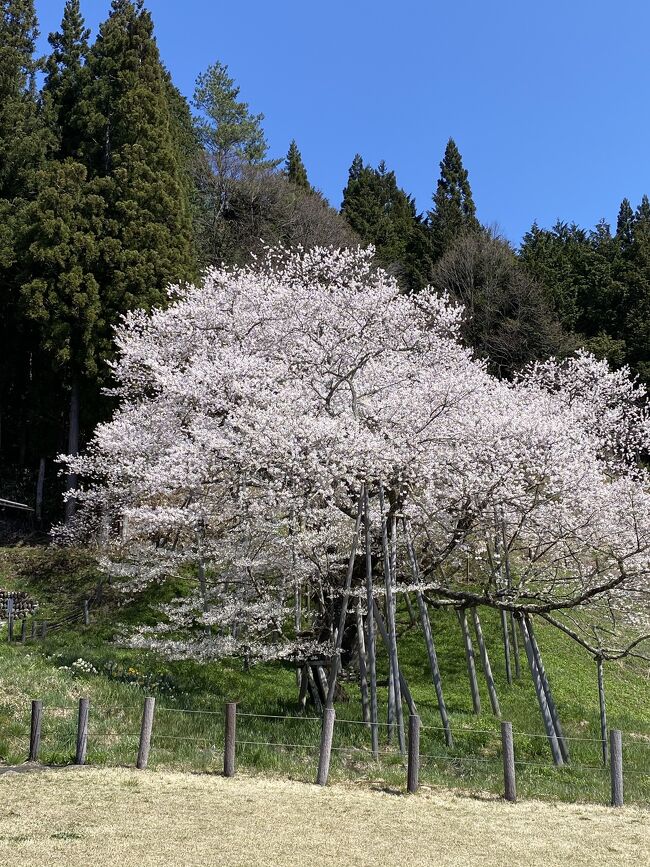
(603, 708)
(541, 696)
(428, 638)
(564, 748)
(469, 658)
(370, 625)
(485, 661)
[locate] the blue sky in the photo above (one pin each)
(548, 102)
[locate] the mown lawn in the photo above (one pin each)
(132, 818)
(273, 737)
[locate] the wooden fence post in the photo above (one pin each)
(145, 733)
(32, 631)
(230, 739)
(616, 766)
(82, 731)
(86, 613)
(35, 730)
(44, 629)
(327, 732)
(10, 619)
(507, 747)
(23, 630)
(413, 772)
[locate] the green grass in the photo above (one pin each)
(188, 728)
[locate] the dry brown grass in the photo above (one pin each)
(127, 818)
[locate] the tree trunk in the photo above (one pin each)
(39, 492)
(73, 445)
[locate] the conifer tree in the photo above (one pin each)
(235, 154)
(63, 81)
(379, 211)
(625, 224)
(23, 148)
(295, 168)
(111, 225)
(134, 166)
(453, 211)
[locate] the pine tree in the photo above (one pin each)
(453, 211)
(235, 155)
(295, 168)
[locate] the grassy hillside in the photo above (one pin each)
(188, 724)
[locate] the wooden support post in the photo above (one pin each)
(508, 750)
(389, 585)
(370, 625)
(86, 613)
(515, 646)
(555, 716)
(44, 629)
(314, 692)
(616, 766)
(230, 739)
(321, 681)
(406, 692)
(304, 682)
(10, 619)
(23, 630)
(469, 659)
(363, 676)
(413, 772)
(145, 733)
(35, 730)
(541, 696)
(410, 609)
(82, 731)
(327, 733)
(336, 658)
(506, 645)
(485, 662)
(428, 638)
(391, 716)
(603, 708)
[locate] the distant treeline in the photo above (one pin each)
(112, 187)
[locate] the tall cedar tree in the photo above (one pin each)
(295, 168)
(453, 212)
(63, 81)
(112, 226)
(379, 211)
(23, 148)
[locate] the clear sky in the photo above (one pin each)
(547, 101)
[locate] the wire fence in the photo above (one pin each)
(292, 746)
